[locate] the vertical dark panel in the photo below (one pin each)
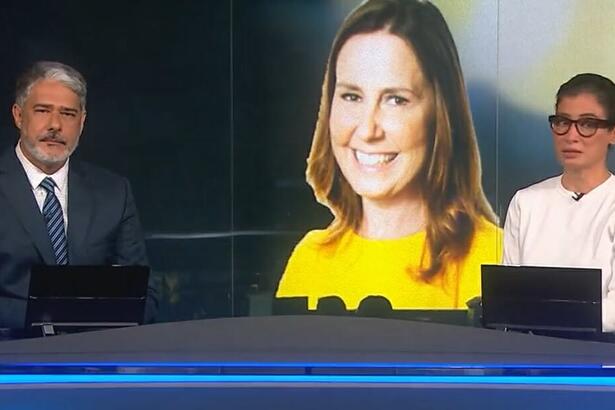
(280, 49)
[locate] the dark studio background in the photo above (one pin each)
(158, 113)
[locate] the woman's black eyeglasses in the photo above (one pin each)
(586, 127)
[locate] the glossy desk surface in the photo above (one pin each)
(262, 359)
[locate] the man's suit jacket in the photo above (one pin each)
(103, 229)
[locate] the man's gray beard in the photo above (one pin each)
(45, 158)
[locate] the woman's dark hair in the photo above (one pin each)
(601, 87)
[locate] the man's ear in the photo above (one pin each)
(16, 110)
(83, 121)
(612, 136)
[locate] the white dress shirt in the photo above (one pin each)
(36, 176)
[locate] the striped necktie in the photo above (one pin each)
(52, 212)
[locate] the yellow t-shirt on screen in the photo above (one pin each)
(353, 268)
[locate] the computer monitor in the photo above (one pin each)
(542, 299)
(75, 298)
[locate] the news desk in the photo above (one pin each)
(305, 362)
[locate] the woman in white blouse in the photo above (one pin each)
(569, 219)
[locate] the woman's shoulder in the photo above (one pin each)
(487, 243)
(313, 244)
(314, 239)
(305, 266)
(487, 231)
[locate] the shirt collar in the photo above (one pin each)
(36, 175)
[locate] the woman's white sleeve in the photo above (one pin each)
(512, 251)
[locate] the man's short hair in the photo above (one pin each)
(50, 70)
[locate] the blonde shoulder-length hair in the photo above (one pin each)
(450, 176)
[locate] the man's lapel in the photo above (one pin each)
(80, 209)
(16, 189)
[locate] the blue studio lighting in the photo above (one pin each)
(298, 379)
(260, 364)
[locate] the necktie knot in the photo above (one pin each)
(48, 184)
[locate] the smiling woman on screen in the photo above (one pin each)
(394, 157)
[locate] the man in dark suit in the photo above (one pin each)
(54, 210)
